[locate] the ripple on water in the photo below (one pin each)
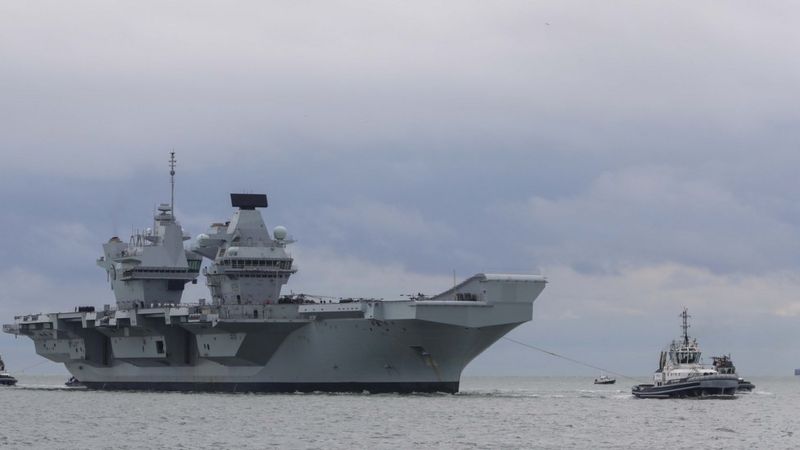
(508, 412)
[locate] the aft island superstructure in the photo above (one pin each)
(249, 337)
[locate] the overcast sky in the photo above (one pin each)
(642, 155)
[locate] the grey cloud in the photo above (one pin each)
(647, 215)
(232, 83)
(618, 139)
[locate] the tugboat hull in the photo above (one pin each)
(709, 386)
(745, 386)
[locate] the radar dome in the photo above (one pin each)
(202, 239)
(279, 232)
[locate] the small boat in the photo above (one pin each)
(73, 382)
(723, 364)
(5, 378)
(745, 385)
(681, 375)
(605, 379)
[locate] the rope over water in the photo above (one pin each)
(533, 347)
(34, 365)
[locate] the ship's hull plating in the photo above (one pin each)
(450, 387)
(710, 386)
(366, 345)
(331, 356)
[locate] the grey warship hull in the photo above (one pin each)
(368, 345)
(252, 338)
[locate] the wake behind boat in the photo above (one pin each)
(680, 373)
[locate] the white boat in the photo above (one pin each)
(605, 379)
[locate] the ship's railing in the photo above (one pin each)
(311, 299)
(157, 305)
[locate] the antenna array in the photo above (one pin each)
(172, 162)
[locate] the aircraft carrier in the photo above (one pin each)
(249, 337)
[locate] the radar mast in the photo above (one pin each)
(172, 162)
(685, 325)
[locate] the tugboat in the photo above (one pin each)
(605, 379)
(723, 364)
(680, 374)
(5, 378)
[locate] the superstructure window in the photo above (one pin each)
(160, 347)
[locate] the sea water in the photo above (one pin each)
(503, 412)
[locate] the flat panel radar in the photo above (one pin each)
(249, 201)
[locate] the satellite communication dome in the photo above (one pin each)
(202, 239)
(279, 232)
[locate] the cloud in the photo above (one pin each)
(375, 220)
(641, 155)
(28, 291)
(658, 290)
(652, 215)
(323, 271)
(113, 88)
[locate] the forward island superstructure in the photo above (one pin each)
(250, 337)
